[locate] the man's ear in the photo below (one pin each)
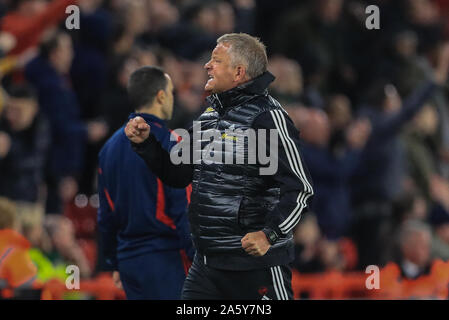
(240, 74)
(160, 96)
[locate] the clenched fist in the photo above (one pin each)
(137, 130)
(255, 243)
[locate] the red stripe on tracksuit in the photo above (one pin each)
(160, 206)
(188, 192)
(161, 216)
(106, 192)
(186, 263)
(110, 202)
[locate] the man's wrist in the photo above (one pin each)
(271, 234)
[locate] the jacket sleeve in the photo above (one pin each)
(158, 160)
(292, 175)
(106, 224)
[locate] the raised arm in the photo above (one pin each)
(155, 156)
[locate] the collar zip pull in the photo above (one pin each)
(219, 102)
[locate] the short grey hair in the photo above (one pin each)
(410, 227)
(246, 50)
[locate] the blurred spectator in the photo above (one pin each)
(7, 42)
(224, 18)
(307, 235)
(424, 18)
(245, 15)
(30, 18)
(48, 72)
(131, 23)
(16, 268)
(31, 217)
(89, 75)
(194, 33)
(415, 244)
(89, 67)
(189, 98)
(339, 112)
(403, 64)
(65, 249)
(419, 146)
(288, 87)
(114, 102)
(53, 243)
(320, 43)
(380, 175)
(332, 170)
(408, 206)
(162, 14)
(314, 253)
(24, 142)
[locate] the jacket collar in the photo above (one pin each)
(237, 95)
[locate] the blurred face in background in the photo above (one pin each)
(62, 56)
(205, 19)
(20, 113)
(225, 18)
(136, 17)
(406, 44)
(31, 7)
(288, 76)
(221, 72)
(416, 248)
(422, 11)
(190, 96)
(329, 10)
(315, 127)
(162, 13)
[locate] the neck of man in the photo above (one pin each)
(154, 109)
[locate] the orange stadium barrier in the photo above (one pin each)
(338, 285)
(100, 288)
(328, 285)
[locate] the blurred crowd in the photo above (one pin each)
(372, 107)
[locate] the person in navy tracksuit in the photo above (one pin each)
(143, 223)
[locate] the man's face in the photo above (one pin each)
(20, 113)
(62, 56)
(32, 7)
(417, 248)
(167, 107)
(220, 71)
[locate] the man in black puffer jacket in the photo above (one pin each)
(242, 213)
